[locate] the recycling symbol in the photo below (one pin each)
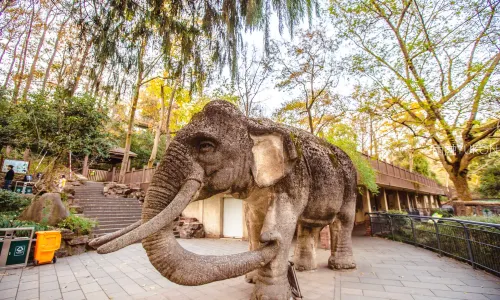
(19, 250)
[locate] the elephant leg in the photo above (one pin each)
(254, 216)
(341, 237)
(272, 282)
(305, 250)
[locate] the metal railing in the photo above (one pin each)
(477, 243)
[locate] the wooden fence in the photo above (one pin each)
(98, 175)
(131, 177)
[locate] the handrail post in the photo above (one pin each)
(390, 226)
(371, 224)
(437, 237)
(414, 233)
(469, 247)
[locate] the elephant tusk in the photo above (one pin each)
(186, 194)
(111, 236)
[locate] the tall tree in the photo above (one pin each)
(253, 73)
(437, 64)
(45, 25)
(308, 68)
(22, 61)
(135, 98)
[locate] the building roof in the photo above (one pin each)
(119, 152)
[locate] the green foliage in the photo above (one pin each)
(492, 219)
(344, 137)
(489, 185)
(8, 220)
(10, 201)
(79, 225)
(397, 212)
(58, 124)
(8, 130)
(443, 212)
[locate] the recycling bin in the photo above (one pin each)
(15, 244)
(47, 242)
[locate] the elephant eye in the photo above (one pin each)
(206, 146)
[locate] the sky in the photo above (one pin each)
(270, 97)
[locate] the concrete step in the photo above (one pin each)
(110, 202)
(116, 214)
(103, 221)
(118, 225)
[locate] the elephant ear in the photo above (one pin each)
(273, 151)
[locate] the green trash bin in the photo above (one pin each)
(14, 250)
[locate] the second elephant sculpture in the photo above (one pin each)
(287, 176)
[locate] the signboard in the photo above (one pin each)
(20, 166)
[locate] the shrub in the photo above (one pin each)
(445, 213)
(78, 225)
(494, 219)
(8, 220)
(397, 212)
(10, 201)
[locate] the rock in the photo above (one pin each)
(122, 186)
(67, 234)
(69, 189)
(105, 189)
(76, 183)
(81, 178)
(79, 240)
(47, 209)
(188, 228)
(77, 208)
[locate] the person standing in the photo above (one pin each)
(9, 176)
(62, 183)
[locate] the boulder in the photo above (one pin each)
(69, 189)
(81, 178)
(79, 240)
(77, 208)
(188, 228)
(46, 209)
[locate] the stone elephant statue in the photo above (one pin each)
(289, 178)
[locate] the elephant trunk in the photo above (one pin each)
(175, 184)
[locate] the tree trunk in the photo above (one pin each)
(135, 99)
(159, 126)
(461, 186)
(7, 78)
(37, 55)
(309, 118)
(54, 53)
(26, 154)
(20, 71)
(11, 36)
(78, 76)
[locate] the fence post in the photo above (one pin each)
(469, 247)
(143, 173)
(414, 233)
(390, 225)
(371, 224)
(437, 237)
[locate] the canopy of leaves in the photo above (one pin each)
(195, 26)
(489, 185)
(345, 138)
(56, 124)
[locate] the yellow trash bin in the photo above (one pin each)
(47, 242)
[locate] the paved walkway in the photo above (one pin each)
(386, 270)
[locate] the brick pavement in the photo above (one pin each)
(386, 270)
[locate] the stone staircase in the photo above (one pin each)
(111, 213)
